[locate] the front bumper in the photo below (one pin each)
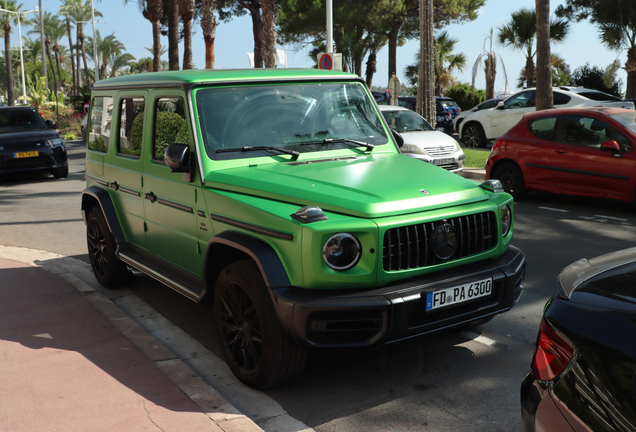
(49, 161)
(456, 165)
(369, 318)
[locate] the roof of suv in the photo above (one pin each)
(193, 77)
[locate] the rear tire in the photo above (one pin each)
(250, 337)
(511, 178)
(473, 136)
(108, 269)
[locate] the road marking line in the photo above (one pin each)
(556, 210)
(44, 336)
(484, 340)
(613, 218)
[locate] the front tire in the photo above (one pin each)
(108, 269)
(473, 136)
(250, 337)
(511, 178)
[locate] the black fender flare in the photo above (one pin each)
(94, 194)
(263, 255)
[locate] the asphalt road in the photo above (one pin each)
(453, 381)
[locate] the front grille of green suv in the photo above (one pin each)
(430, 243)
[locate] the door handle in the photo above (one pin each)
(560, 150)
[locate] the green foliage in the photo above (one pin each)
(475, 158)
(592, 77)
(465, 96)
(170, 128)
(99, 144)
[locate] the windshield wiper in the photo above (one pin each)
(346, 141)
(269, 149)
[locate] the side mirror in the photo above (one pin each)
(500, 105)
(611, 145)
(399, 140)
(177, 158)
(50, 123)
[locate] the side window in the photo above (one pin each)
(170, 125)
(131, 125)
(522, 100)
(587, 131)
(99, 128)
(560, 98)
(544, 128)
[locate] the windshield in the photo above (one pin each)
(406, 121)
(285, 116)
(20, 119)
(626, 119)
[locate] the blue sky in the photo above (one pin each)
(234, 39)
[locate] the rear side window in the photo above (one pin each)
(131, 125)
(100, 123)
(170, 125)
(586, 131)
(560, 98)
(544, 128)
(599, 96)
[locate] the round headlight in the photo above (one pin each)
(342, 251)
(506, 220)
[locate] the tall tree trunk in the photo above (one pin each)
(155, 12)
(173, 35)
(81, 38)
(393, 41)
(56, 50)
(425, 87)
(47, 44)
(630, 67)
(490, 70)
(70, 47)
(7, 56)
(186, 11)
(269, 33)
(208, 24)
(530, 72)
(372, 62)
(257, 28)
(544, 70)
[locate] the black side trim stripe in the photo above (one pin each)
(575, 171)
(185, 208)
(97, 179)
(247, 226)
(130, 191)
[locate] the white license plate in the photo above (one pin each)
(443, 161)
(458, 294)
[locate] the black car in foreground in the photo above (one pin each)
(584, 367)
(28, 145)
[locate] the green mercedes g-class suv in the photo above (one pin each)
(281, 196)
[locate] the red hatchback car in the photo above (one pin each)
(576, 151)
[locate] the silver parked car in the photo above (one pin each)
(421, 141)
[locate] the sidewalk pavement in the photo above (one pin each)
(473, 173)
(71, 360)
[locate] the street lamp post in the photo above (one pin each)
(20, 36)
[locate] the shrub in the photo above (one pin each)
(170, 128)
(465, 96)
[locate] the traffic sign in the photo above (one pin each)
(325, 61)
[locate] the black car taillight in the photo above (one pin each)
(552, 354)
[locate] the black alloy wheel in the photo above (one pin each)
(109, 271)
(511, 178)
(250, 337)
(474, 136)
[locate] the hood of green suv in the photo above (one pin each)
(370, 186)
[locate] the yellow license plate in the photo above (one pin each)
(26, 154)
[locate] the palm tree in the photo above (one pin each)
(376, 43)
(520, 33)
(208, 25)
(118, 61)
(269, 33)
(444, 63)
(81, 14)
(32, 48)
(66, 10)
(106, 47)
(173, 34)
(490, 67)
(186, 12)
(7, 19)
(544, 99)
(155, 12)
(52, 33)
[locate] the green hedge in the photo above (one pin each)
(170, 128)
(465, 96)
